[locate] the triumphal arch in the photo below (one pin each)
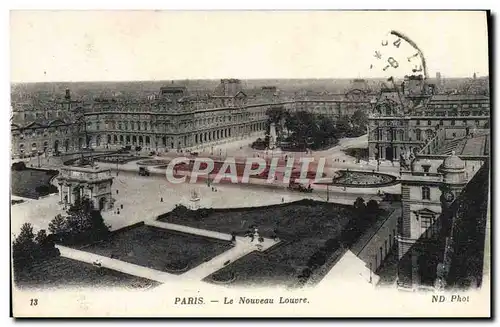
(91, 182)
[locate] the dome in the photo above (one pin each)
(453, 162)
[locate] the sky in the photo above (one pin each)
(48, 46)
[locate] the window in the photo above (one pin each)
(429, 123)
(452, 123)
(426, 168)
(418, 122)
(425, 225)
(454, 134)
(426, 193)
(477, 122)
(464, 122)
(441, 122)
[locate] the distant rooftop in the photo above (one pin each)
(458, 97)
(172, 89)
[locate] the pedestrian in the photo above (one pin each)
(161, 199)
(282, 200)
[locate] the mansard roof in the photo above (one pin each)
(458, 97)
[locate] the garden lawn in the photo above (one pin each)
(64, 272)
(303, 228)
(158, 248)
(24, 182)
(256, 269)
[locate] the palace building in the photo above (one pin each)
(172, 119)
(405, 118)
(448, 139)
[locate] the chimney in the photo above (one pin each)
(68, 95)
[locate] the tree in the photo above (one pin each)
(275, 114)
(310, 130)
(359, 121)
(18, 166)
(28, 248)
(372, 206)
(41, 238)
(343, 127)
(58, 225)
(24, 245)
(359, 204)
(83, 223)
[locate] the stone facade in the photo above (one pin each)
(78, 182)
(47, 128)
(173, 119)
(404, 119)
(427, 191)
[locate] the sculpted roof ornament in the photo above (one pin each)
(453, 162)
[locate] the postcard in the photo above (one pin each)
(250, 164)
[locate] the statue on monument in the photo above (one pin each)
(272, 136)
(194, 200)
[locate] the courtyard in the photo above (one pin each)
(304, 228)
(158, 248)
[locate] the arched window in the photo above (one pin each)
(401, 135)
(426, 193)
